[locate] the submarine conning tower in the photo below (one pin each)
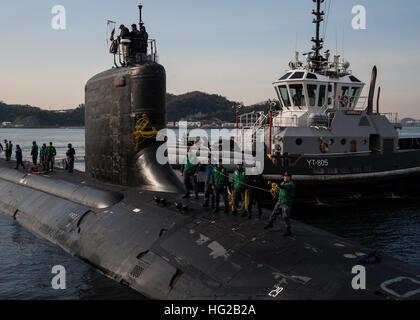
(120, 103)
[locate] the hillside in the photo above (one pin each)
(192, 106)
(28, 116)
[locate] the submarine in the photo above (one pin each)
(125, 216)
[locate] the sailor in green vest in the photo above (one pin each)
(239, 186)
(190, 172)
(284, 204)
(219, 182)
(51, 153)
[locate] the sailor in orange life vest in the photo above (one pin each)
(284, 204)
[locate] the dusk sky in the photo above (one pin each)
(235, 48)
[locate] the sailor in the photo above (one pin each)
(124, 39)
(9, 150)
(219, 185)
(19, 157)
(5, 147)
(255, 192)
(239, 186)
(43, 156)
(284, 204)
(208, 188)
(190, 172)
(135, 43)
(1, 147)
(144, 42)
(51, 153)
(70, 157)
(34, 153)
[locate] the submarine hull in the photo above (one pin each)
(167, 253)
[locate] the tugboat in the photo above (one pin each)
(322, 131)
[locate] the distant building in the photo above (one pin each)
(229, 125)
(6, 124)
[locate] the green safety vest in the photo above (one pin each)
(188, 165)
(35, 149)
(219, 176)
(287, 196)
(239, 178)
(43, 152)
(51, 151)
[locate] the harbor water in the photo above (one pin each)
(26, 262)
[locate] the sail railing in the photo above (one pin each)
(151, 55)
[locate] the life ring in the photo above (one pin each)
(344, 100)
(325, 147)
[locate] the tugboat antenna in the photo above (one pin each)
(318, 59)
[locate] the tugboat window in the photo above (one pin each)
(298, 97)
(311, 76)
(321, 99)
(285, 96)
(312, 94)
(345, 91)
(299, 142)
(355, 91)
(297, 75)
(285, 76)
(344, 97)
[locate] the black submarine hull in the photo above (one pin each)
(167, 253)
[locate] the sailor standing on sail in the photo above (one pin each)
(135, 43)
(284, 204)
(144, 42)
(124, 39)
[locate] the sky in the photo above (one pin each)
(235, 48)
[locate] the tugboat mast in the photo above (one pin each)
(318, 59)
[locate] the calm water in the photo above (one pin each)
(26, 261)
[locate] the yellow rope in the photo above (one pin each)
(141, 133)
